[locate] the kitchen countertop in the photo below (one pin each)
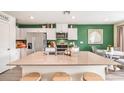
(79, 59)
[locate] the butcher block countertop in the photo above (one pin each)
(79, 59)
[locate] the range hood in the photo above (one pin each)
(61, 27)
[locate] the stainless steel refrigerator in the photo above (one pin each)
(36, 41)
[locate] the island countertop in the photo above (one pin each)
(79, 59)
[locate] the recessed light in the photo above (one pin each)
(31, 17)
(73, 17)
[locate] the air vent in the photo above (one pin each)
(4, 18)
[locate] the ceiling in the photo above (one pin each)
(75, 17)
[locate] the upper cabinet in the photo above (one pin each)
(72, 34)
(62, 28)
(51, 34)
(21, 33)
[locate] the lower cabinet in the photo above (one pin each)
(23, 52)
(14, 55)
(4, 60)
(7, 57)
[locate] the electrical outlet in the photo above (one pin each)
(81, 42)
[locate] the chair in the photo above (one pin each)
(33, 76)
(91, 76)
(61, 76)
(93, 49)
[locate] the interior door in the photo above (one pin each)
(4, 46)
(4, 36)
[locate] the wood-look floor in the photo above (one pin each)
(115, 76)
(16, 73)
(11, 75)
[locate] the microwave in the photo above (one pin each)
(62, 35)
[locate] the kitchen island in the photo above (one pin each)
(75, 64)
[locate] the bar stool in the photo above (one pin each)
(91, 76)
(33, 76)
(61, 76)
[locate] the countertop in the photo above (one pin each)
(77, 59)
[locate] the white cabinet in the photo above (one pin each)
(51, 34)
(21, 34)
(17, 33)
(62, 28)
(72, 34)
(14, 55)
(4, 60)
(23, 52)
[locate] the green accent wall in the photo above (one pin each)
(83, 36)
(108, 34)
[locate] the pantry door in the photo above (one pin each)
(4, 45)
(4, 36)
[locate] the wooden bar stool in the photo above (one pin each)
(34, 76)
(61, 76)
(90, 76)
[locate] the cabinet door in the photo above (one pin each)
(14, 55)
(72, 34)
(21, 33)
(17, 33)
(58, 27)
(61, 28)
(51, 34)
(65, 28)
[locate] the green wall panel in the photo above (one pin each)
(83, 36)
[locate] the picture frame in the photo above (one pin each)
(95, 36)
